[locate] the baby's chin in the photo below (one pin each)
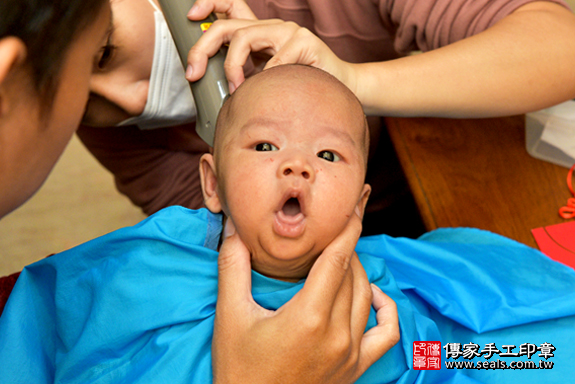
(286, 267)
(288, 259)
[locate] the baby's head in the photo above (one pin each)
(288, 166)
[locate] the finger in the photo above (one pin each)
(267, 36)
(233, 9)
(381, 338)
(207, 46)
(234, 271)
(300, 49)
(326, 276)
(220, 33)
(342, 306)
(361, 304)
(306, 48)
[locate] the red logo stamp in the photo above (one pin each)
(426, 355)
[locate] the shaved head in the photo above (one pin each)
(295, 79)
(289, 166)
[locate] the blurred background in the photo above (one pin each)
(77, 203)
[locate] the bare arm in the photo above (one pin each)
(522, 63)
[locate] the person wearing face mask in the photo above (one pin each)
(138, 84)
(157, 168)
(170, 101)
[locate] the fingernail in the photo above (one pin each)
(229, 229)
(231, 87)
(189, 71)
(193, 10)
(373, 286)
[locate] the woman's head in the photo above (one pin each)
(46, 27)
(120, 86)
(47, 52)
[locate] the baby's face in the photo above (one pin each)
(290, 171)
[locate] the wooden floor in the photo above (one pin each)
(77, 203)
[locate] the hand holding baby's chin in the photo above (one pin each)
(316, 337)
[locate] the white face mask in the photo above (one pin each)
(170, 101)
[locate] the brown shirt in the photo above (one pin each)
(159, 168)
(377, 30)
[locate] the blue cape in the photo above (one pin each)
(137, 305)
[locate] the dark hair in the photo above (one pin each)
(47, 28)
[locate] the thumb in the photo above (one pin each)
(234, 269)
(237, 9)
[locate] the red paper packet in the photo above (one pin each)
(557, 241)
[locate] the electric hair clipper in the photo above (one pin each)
(211, 90)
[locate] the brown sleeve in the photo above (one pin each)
(427, 25)
(6, 285)
(362, 31)
(353, 29)
(155, 168)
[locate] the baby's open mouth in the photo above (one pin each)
(291, 207)
(290, 217)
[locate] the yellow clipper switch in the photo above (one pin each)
(205, 26)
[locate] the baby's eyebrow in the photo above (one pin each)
(266, 122)
(342, 135)
(260, 121)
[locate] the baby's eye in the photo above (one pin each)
(328, 155)
(263, 147)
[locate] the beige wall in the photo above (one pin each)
(77, 203)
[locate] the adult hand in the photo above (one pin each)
(316, 337)
(285, 42)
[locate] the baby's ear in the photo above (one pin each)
(210, 183)
(360, 208)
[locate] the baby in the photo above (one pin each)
(288, 168)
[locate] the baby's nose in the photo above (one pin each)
(297, 166)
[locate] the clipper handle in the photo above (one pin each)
(211, 90)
